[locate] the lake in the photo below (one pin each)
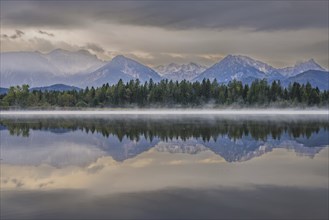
(149, 166)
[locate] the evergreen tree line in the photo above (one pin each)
(171, 94)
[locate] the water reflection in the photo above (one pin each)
(123, 138)
(169, 167)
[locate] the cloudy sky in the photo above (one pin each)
(160, 32)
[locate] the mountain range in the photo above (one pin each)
(81, 69)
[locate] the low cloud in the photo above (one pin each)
(94, 47)
(46, 33)
(17, 183)
(35, 44)
(18, 34)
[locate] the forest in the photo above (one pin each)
(167, 93)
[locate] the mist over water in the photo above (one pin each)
(177, 166)
(171, 112)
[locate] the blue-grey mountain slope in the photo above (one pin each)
(121, 67)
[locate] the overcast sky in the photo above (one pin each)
(160, 32)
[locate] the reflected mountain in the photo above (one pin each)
(55, 141)
(124, 148)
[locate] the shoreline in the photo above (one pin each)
(168, 112)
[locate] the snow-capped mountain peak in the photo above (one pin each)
(241, 68)
(247, 61)
(308, 65)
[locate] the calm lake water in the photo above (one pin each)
(179, 167)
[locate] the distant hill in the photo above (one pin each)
(3, 90)
(317, 78)
(56, 87)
